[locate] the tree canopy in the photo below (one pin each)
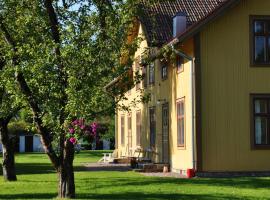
(58, 57)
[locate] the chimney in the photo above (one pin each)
(179, 23)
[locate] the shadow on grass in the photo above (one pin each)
(38, 168)
(241, 183)
(34, 168)
(167, 196)
(28, 196)
(125, 196)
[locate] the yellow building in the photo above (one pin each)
(209, 108)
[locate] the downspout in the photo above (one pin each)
(192, 100)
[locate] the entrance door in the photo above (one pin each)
(28, 143)
(165, 133)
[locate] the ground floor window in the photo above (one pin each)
(260, 121)
(122, 130)
(129, 124)
(180, 106)
(138, 128)
(152, 116)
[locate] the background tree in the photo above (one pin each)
(9, 107)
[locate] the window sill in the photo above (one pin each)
(181, 147)
(257, 65)
(260, 147)
(164, 79)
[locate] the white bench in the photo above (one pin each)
(107, 157)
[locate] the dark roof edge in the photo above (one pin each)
(195, 28)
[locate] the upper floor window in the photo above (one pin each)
(164, 72)
(179, 64)
(260, 130)
(144, 75)
(137, 71)
(152, 74)
(261, 40)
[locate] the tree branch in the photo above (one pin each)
(54, 24)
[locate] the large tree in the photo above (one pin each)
(62, 53)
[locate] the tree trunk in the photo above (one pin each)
(66, 188)
(9, 172)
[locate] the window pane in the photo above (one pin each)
(259, 27)
(152, 127)
(180, 124)
(268, 47)
(129, 123)
(261, 129)
(145, 76)
(138, 128)
(182, 110)
(182, 131)
(178, 132)
(151, 73)
(260, 52)
(122, 130)
(260, 106)
(164, 71)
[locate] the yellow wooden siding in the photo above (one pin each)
(176, 86)
(131, 96)
(181, 157)
(227, 81)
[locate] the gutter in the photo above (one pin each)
(192, 100)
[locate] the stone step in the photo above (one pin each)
(152, 167)
(121, 161)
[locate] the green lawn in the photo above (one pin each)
(37, 180)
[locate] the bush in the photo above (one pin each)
(18, 127)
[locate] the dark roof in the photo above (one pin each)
(157, 17)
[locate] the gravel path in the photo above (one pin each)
(125, 168)
(166, 175)
(107, 167)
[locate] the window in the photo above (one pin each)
(181, 122)
(152, 115)
(123, 130)
(179, 64)
(144, 74)
(138, 128)
(164, 72)
(129, 123)
(260, 30)
(152, 74)
(137, 71)
(260, 131)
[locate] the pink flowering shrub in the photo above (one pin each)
(78, 129)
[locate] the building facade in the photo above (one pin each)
(209, 105)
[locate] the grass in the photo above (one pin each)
(37, 180)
